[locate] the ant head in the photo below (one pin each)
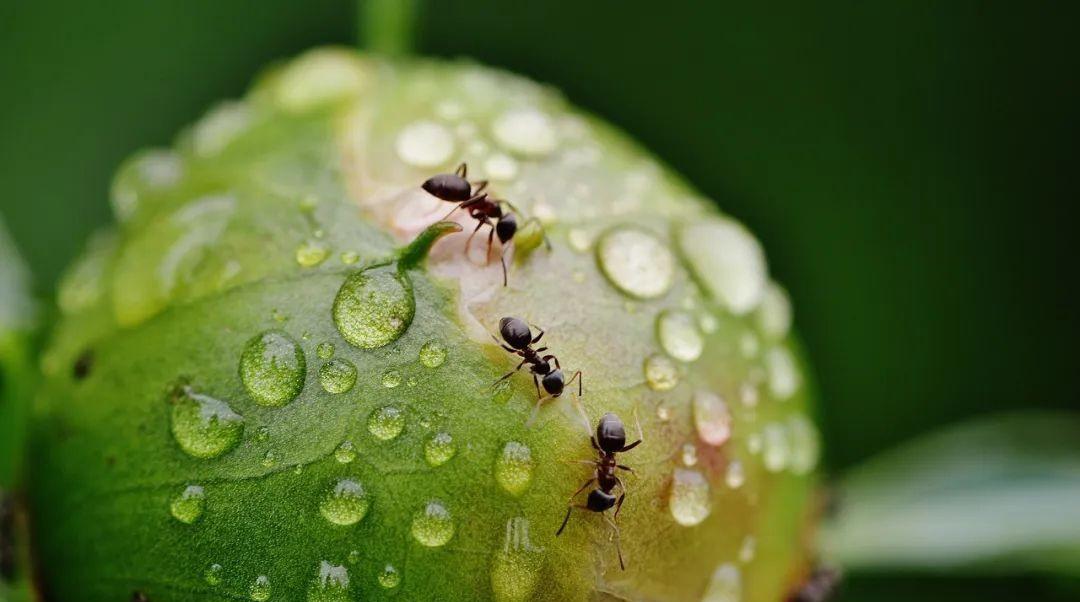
(448, 187)
(515, 332)
(600, 501)
(610, 433)
(553, 382)
(506, 227)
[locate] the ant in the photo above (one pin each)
(456, 188)
(610, 439)
(520, 341)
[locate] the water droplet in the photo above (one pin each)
(748, 549)
(273, 368)
(204, 427)
(689, 454)
(325, 351)
(262, 435)
(432, 526)
(450, 110)
(332, 584)
(513, 468)
(500, 167)
(775, 447)
(784, 377)
(689, 502)
(389, 577)
(346, 452)
(712, 418)
(679, 335)
(663, 413)
(805, 444)
(708, 323)
(269, 459)
(525, 131)
(754, 443)
(735, 475)
(143, 174)
(349, 257)
(374, 307)
(439, 449)
(213, 574)
(189, 505)
(260, 589)
(774, 313)
(391, 379)
(725, 585)
(311, 253)
(320, 78)
(661, 374)
(579, 240)
(727, 260)
(354, 556)
(346, 503)
(432, 354)
(337, 376)
(386, 422)
(636, 262)
(424, 144)
(515, 570)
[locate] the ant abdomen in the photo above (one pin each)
(448, 187)
(515, 332)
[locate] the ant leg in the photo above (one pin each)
(626, 468)
(536, 383)
(566, 518)
(580, 489)
(618, 540)
(479, 187)
(536, 410)
(541, 349)
(580, 380)
(510, 373)
(462, 170)
(491, 239)
(622, 496)
(502, 261)
(641, 437)
(463, 205)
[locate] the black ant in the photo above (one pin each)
(520, 341)
(456, 188)
(610, 439)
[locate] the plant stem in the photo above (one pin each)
(387, 26)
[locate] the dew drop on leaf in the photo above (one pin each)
(727, 260)
(346, 503)
(311, 253)
(330, 585)
(346, 452)
(213, 574)
(391, 379)
(636, 262)
(735, 475)
(513, 468)
(272, 368)
(432, 354)
(204, 427)
(776, 448)
(515, 569)
(679, 336)
(389, 577)
(711, 418)
(337, 376)
(260, 589)
(373, 307)
(661, 374)
(725, 585)
(805, 444)
(325, 350)
(689, 501)
(439, 449)
(386, 422)
(188, 506)
(432, 525)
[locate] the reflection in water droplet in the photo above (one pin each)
(727, 260)
(439, 449)
(711, 417)
(213, 574)
(774, 314)
(525, 131)
(346, 503)
(386, 422)
(374, 307)
(432, 526)
(331, 585)
(346, 452)
(805, 444)
(272, 367)
(689, 501)
(513, 468)
(661, 374)
(784, 377)
(735, 475)
(636, 262)
(260, 589)
(389, 577)
(432, 354)
(725, 585)
(391, 378)
(337, 376)
(189, 505)
(515, 570)
(424, 144)
(679, 335)
(204, 427)
(776, 447)
(311, 253)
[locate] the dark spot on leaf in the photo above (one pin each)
(83, 365)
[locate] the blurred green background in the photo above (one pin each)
(909, 166)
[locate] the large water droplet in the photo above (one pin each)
(636, 262)
(679, 336)
(515, 570)
(727, 260)
(204, 427)
(661, 374)
(389, 577)
(433, 354)
(711, 417)
(805, 444)
(188, 506)
(213, 574)
(424, 144)
(273, 368)
(525, 131)
(784, 378)
(260, 589)
(725, 585)
(774, 314)
(337, 376)
(689, 501)
(386, 422)
(776, 449)
(439, 449)
(432, 526)
(374, 307)
(346, 452)
(346, 503)
(331, 585)
(513, 468)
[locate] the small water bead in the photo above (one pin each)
(389, 577)
(433, 354)
(386, 422)
(354, 556)
(189, 505)
(424, 144)
(579, 239)
(727, 260)
(337, 376)
(331, 585)
(805, 444)
(349, 257)
(776, 449)
(219, 127)
(725, 585)
(515, 570)
(774, 313)
(311, 253)
(748, 549)
(204, 427)
(636, 262)
(262, 435)
(439, 449)
(708, 323)
(433, 526)
(679, 335)
(754, 443)
(525, 131)
(689, 501)
(735, 475)
(712, 418)
(391, 379)
(513, 468)
(269, 459)
(346, 503)
(320, 78)
(689, 454)
(346, 452)
(661, 374)
(500, 167)
(260, 589)
(325, 350)
(748, 394)
(663, 413)
(213, 574)
(273, 367)
(784, 378)
(374, 307)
